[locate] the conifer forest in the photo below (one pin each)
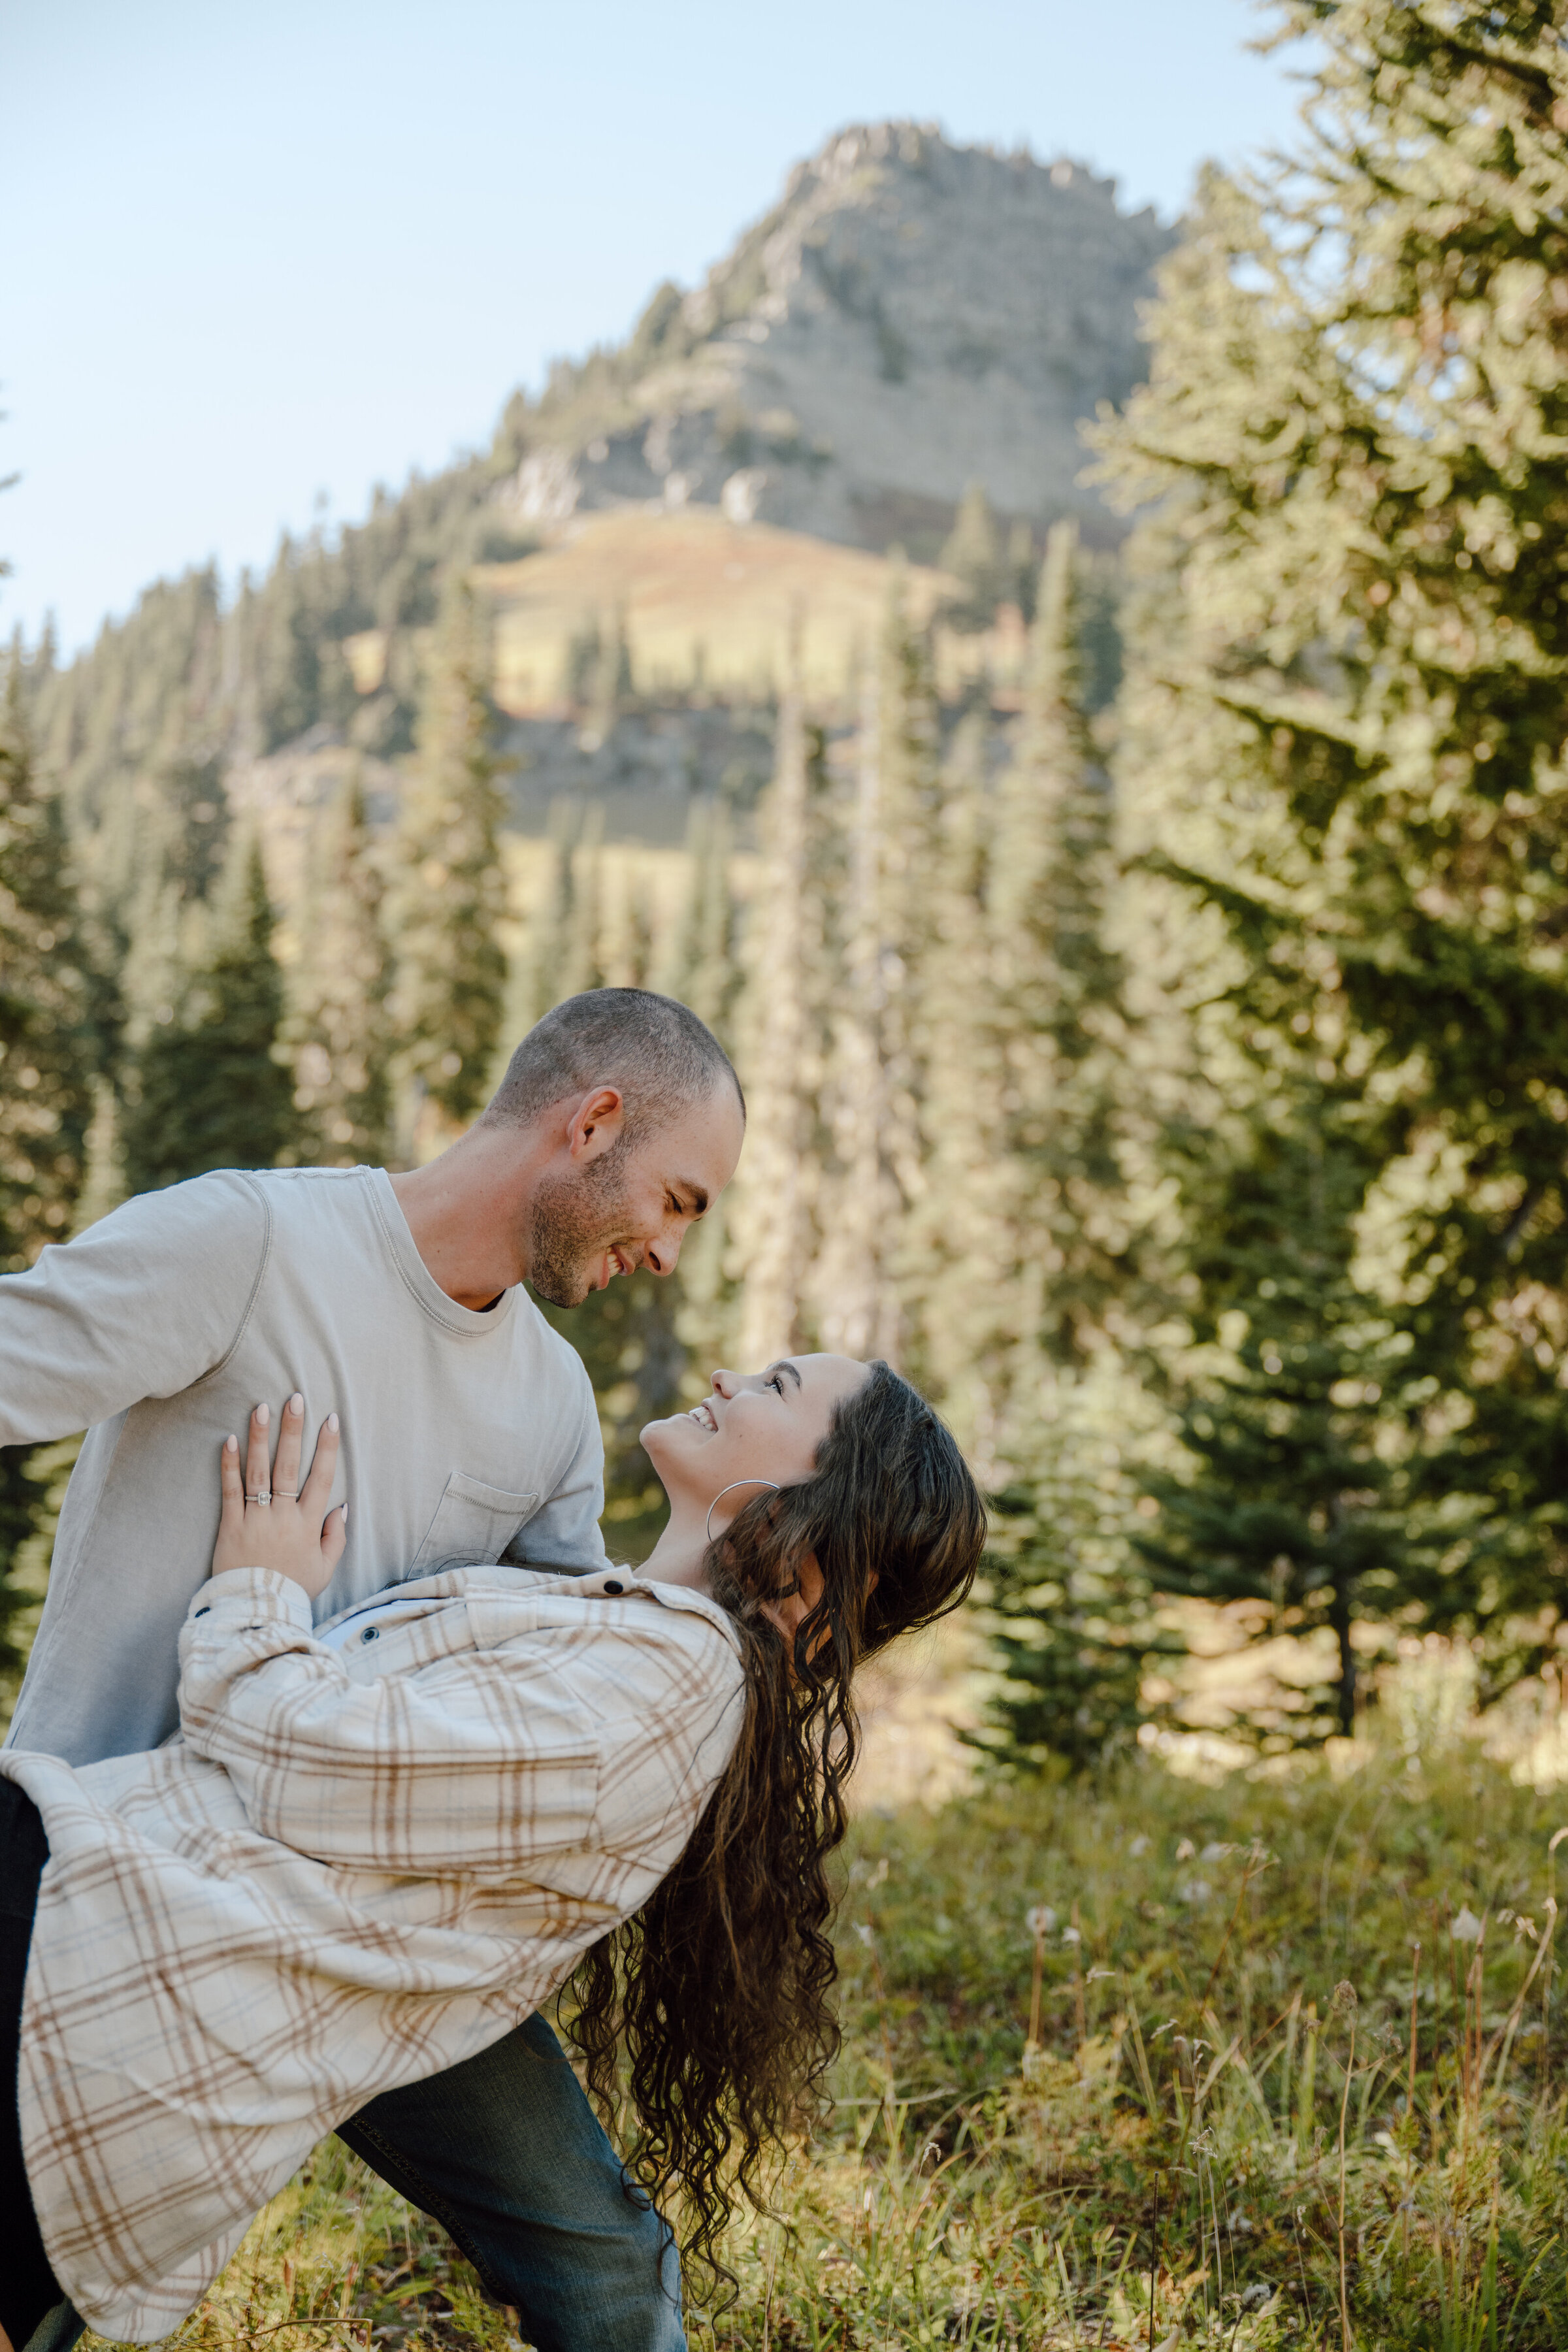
(1145, 953)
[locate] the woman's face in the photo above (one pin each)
(754, 1426)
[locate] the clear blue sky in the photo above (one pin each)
(261, 257)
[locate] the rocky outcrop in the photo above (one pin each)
(912, 317)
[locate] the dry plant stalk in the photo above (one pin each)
(1035, 1921)
(1153, 2261)
(1078, 1980)
(1346, 1999)
(1410, 2094)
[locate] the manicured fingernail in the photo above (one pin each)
(345, 1509)
(333, 1422)
(296, 1402)
(231, 1445)
(263, 1415)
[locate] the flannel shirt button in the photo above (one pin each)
(613, 1584)
(371, 1633)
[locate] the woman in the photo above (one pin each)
(375, 1847)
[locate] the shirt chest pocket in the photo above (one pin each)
(472, 1527)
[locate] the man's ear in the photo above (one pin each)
(596, 1124)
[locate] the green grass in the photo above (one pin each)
(1200, 2111)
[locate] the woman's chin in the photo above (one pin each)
(660, 1440)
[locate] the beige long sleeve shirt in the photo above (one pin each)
(465, 1436)
(360, 1866)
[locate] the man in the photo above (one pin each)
(470, 1432)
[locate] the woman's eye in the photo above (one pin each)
(776, 1381)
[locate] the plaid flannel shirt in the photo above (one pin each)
(354, 1869)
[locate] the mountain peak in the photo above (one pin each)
(911, 316)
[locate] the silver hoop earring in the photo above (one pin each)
(730, 1490)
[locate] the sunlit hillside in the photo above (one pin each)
(703, 602)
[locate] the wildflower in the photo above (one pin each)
(1138, 1847)
(1345, 1998)
(1041, 1920)
(1185, 1850)
(1466, 1928)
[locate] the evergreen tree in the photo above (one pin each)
(608, 686)
(701, 967)
(1286, 1498)
(582, 963)
(1353, 743)
(972, 553)
(49, 1048)
(955, 1256)
(48, 1041)
(1049, 1220)
(451, 972)
(770, 1219)
(858, 1309)
(1023, 571)
(550, 924)
(209, 1088)
(1058, 997)
(338, 1031)
(625, 949)
(910, 795)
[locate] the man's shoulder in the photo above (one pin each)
(250, 1194)
(307, 1183)
(551, 1348)
(306, 1196)
(237, 1217)
(224, 1205)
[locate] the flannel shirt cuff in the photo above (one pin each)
(245, 1597)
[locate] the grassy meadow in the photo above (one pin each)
(1153, 2040)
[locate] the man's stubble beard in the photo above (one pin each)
(575, 1220)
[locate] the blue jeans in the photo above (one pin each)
(506, 2154)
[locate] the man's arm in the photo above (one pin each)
(147, 1301)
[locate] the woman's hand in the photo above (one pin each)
(288, 1532)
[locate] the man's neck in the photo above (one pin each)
(465, 1212)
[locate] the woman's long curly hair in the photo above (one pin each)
(714, 1998)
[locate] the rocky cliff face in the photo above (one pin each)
(912, 317)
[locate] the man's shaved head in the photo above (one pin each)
(656, 1053)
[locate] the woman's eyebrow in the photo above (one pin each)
(784, 1365)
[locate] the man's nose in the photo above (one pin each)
(662, 1255)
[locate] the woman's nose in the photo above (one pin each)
(724, 1382)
